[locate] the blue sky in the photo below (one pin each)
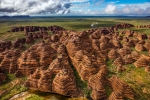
(111, 7)
(75, 7)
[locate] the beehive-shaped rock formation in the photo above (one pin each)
(120, 89)
(124, 51)
(52, 65)
(140, 46)
(64, 84)
(9, 61)
(135, 55)
(103, 39)
(104, 47)
(142, 36)
(32, 59)
(128, 59)
(147, 45)
(125, 39)
(33, 79)
(95, 44)
(113, 54)
(143, 61)
(117, 43)
(123, 25)
(87, 64)
(58, 78)
(128, 33)
(118, 62)
(86, 68)
(95, 35)
(97, 84)
(130, 43)
(27, 64)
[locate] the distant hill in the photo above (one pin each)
(21, 16)
(5, 16)
(16, 16)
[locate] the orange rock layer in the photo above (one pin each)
(52, 64)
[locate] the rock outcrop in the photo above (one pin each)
(5, 45)
(9, 61)
(58, 78)
(56, 64)
(140, 46)
(143, 61)
(147, 45)
(142, 36)
(128, 59)
(113, 54)
(97, 84)
(124, 51)
(123, 25)
(143, 26)
(120, 89)
(32, 59)
(118, 62)
(135, 55)
(64, 84)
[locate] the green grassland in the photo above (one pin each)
(136, 78)
(77, 24)
(68, 23)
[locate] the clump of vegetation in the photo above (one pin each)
(7, 84)
(81, 84)
(136, 78)
(12, 86)
(34, 97)
(111, 68)
(139, 80)
(11, 76)
(14, 90)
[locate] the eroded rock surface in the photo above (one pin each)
(52, 65)
(120, 89)
(37, 56)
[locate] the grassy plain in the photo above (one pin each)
(137, 78)
(77, 24)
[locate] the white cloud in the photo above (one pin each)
(79, 1)
(12, 7)
(139, 9)
(140, 5)
(110, 9)
(87, 12)
(37, 7)
(128, 9)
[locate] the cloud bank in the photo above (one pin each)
(13, 7)
(81, 7)
(130, 9)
